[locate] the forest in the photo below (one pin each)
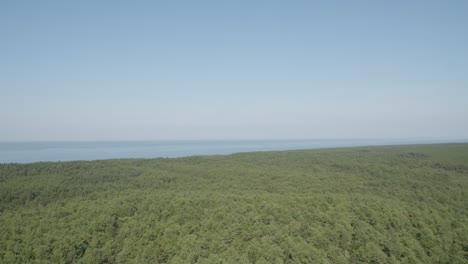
(387, 204)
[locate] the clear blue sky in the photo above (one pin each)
(139, 70)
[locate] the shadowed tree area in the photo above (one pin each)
(395, 204)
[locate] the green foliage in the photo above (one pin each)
(395, 204)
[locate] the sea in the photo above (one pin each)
(27, 152)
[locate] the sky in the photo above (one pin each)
(156, 70)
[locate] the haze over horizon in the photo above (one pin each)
(144, 70)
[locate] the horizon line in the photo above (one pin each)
(231, 139)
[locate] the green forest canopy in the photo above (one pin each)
(392, 204)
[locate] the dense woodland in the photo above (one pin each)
(394, 204)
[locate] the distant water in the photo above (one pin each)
(25, 152)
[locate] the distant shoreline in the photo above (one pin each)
(85, 146)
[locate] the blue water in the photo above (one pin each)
(25, 152)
